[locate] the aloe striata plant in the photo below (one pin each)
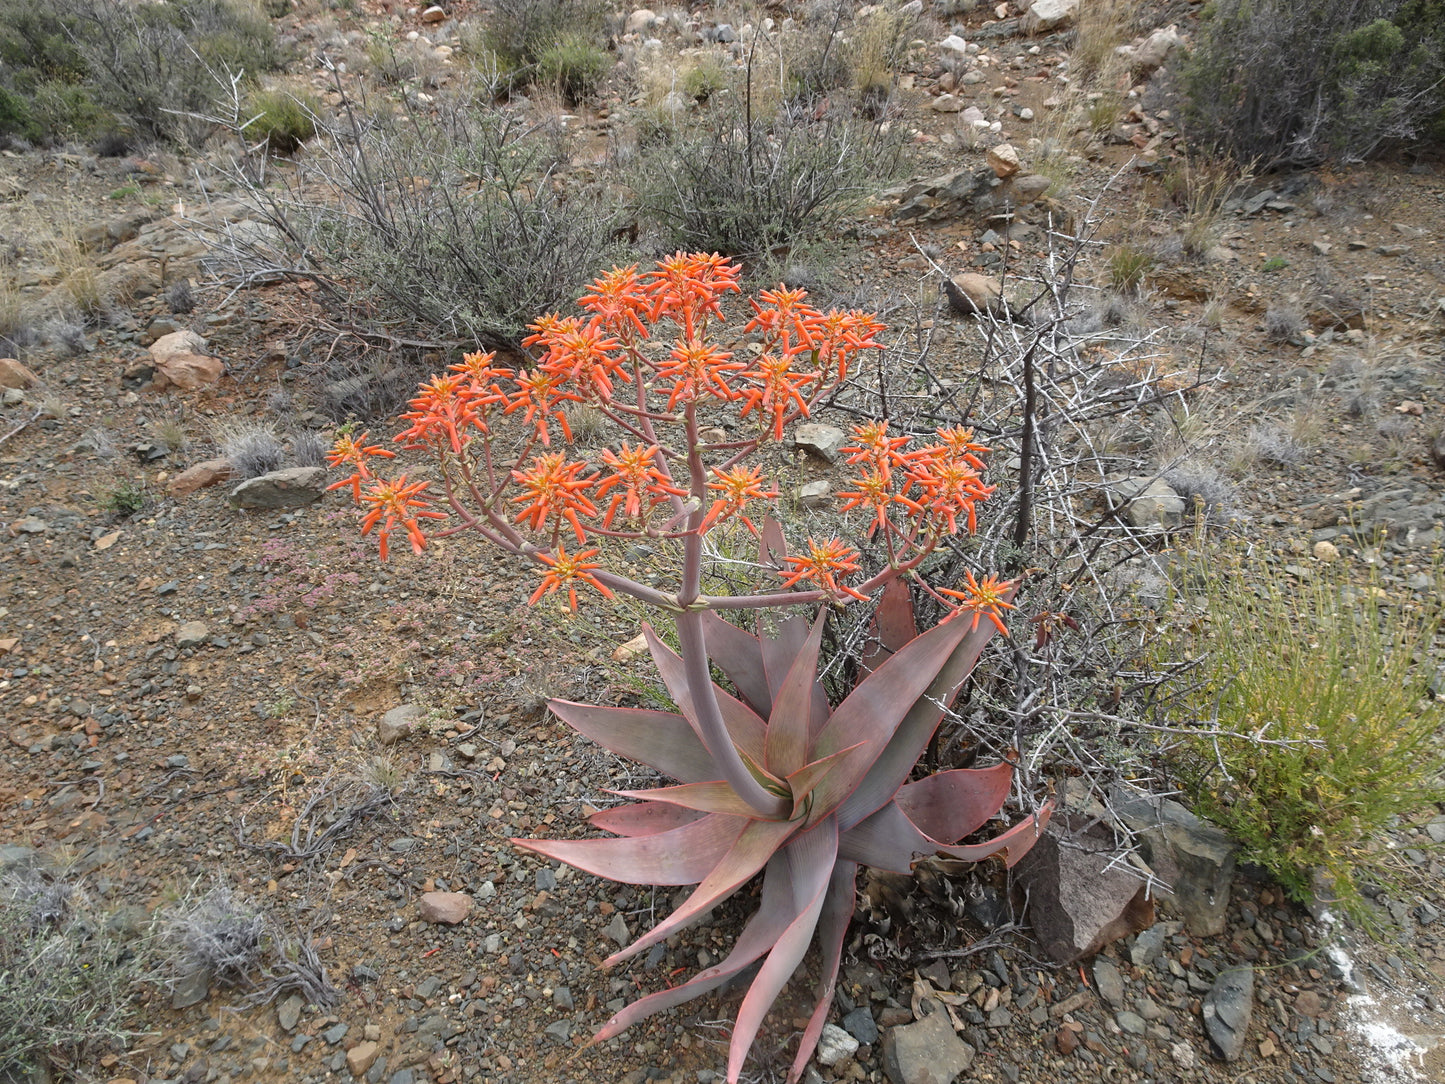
(844, 775)
(772, 779)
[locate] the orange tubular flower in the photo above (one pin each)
(577, 355)
(618, 299)
(440, 414)
(698, 368)
(960, 442)
(982, 600)
(554, 493)
(636, 476)
(777, 390)
(540, 392)
(396, 502)
(795, 324)
(354, 450)
(736, 486)
(565, 569)
(876, 492)
(951, 487)
(686, 287)
(483, 391)
(876, 448)
(822, 565)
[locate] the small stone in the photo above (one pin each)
(1130, 1022)
(192, 634)
(361, 1057)
(398, 722)
(561, 1030)
(815, 494)
(861, 1026)
(824, 441)
(925, 1052)
(835, 1044)
(1108, 981)
(1228, 1008)
(617, 930)
(972, 294)
(434, 14)
(31, 525)
(180, 360)
(335, 1033)
(640, 21)
(1326, 551)
(444, 907)
(953, 44)
(1003, 160)
(209, 472)
(192, 989)
(288, 1012)
(947, 103)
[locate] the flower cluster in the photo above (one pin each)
(649, 351)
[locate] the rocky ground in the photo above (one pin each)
(193, 691)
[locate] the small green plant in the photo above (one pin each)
(125, 498)
(282, 119)
(1128, 264)
(124, 192)
(65, 977)
(575, 64)
(281, 706)
(1326, 732)
(1273, 264)
(704, 76)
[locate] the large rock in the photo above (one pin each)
(15, 375)
(180, 360)
(925, 1052)
(1194, 859)
(1045, 15)
(398, 722)
(209, 472)
(294, 487)
(1147, 503)
(973, 294)
(1149, 54)
(824, 441)
(1228, 1008)
(1082, 895)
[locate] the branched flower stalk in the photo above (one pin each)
(773, 779)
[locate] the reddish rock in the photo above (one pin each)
(180, 361)
(208, 473)
(444, 907)
(361, 1057)
(15, 375)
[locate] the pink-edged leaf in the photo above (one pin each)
(953, 804)
(746, 727)
(642, 818)
(738, 654)
(754, 845)
(894, 624)
(805, 780)
(660, 739)
(832, 929)
(711, 797)
(810, 870)
(775, 912)
(786, 746)
(890, 842)
(781, 649)
(772, 546)
(896, 760)
(681, 856)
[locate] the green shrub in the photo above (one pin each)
(574, 63)
(519, 34)
(1128, 264)
(1296, 82)
(1328, 733)
(722, 182)
(282, 119)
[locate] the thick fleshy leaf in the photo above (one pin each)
(832, 929)
(810, 859)
(874, 710)
(744, 725)
(711, 797)
(803, 782)
(890, 842)
(786, 746)
(894, 624)
(660, 739)
(738, 654)
(780, 649)
(774, 914)
(894, 763)
(950, 805)
(642, 818)
(681, 856)
(750, 852)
